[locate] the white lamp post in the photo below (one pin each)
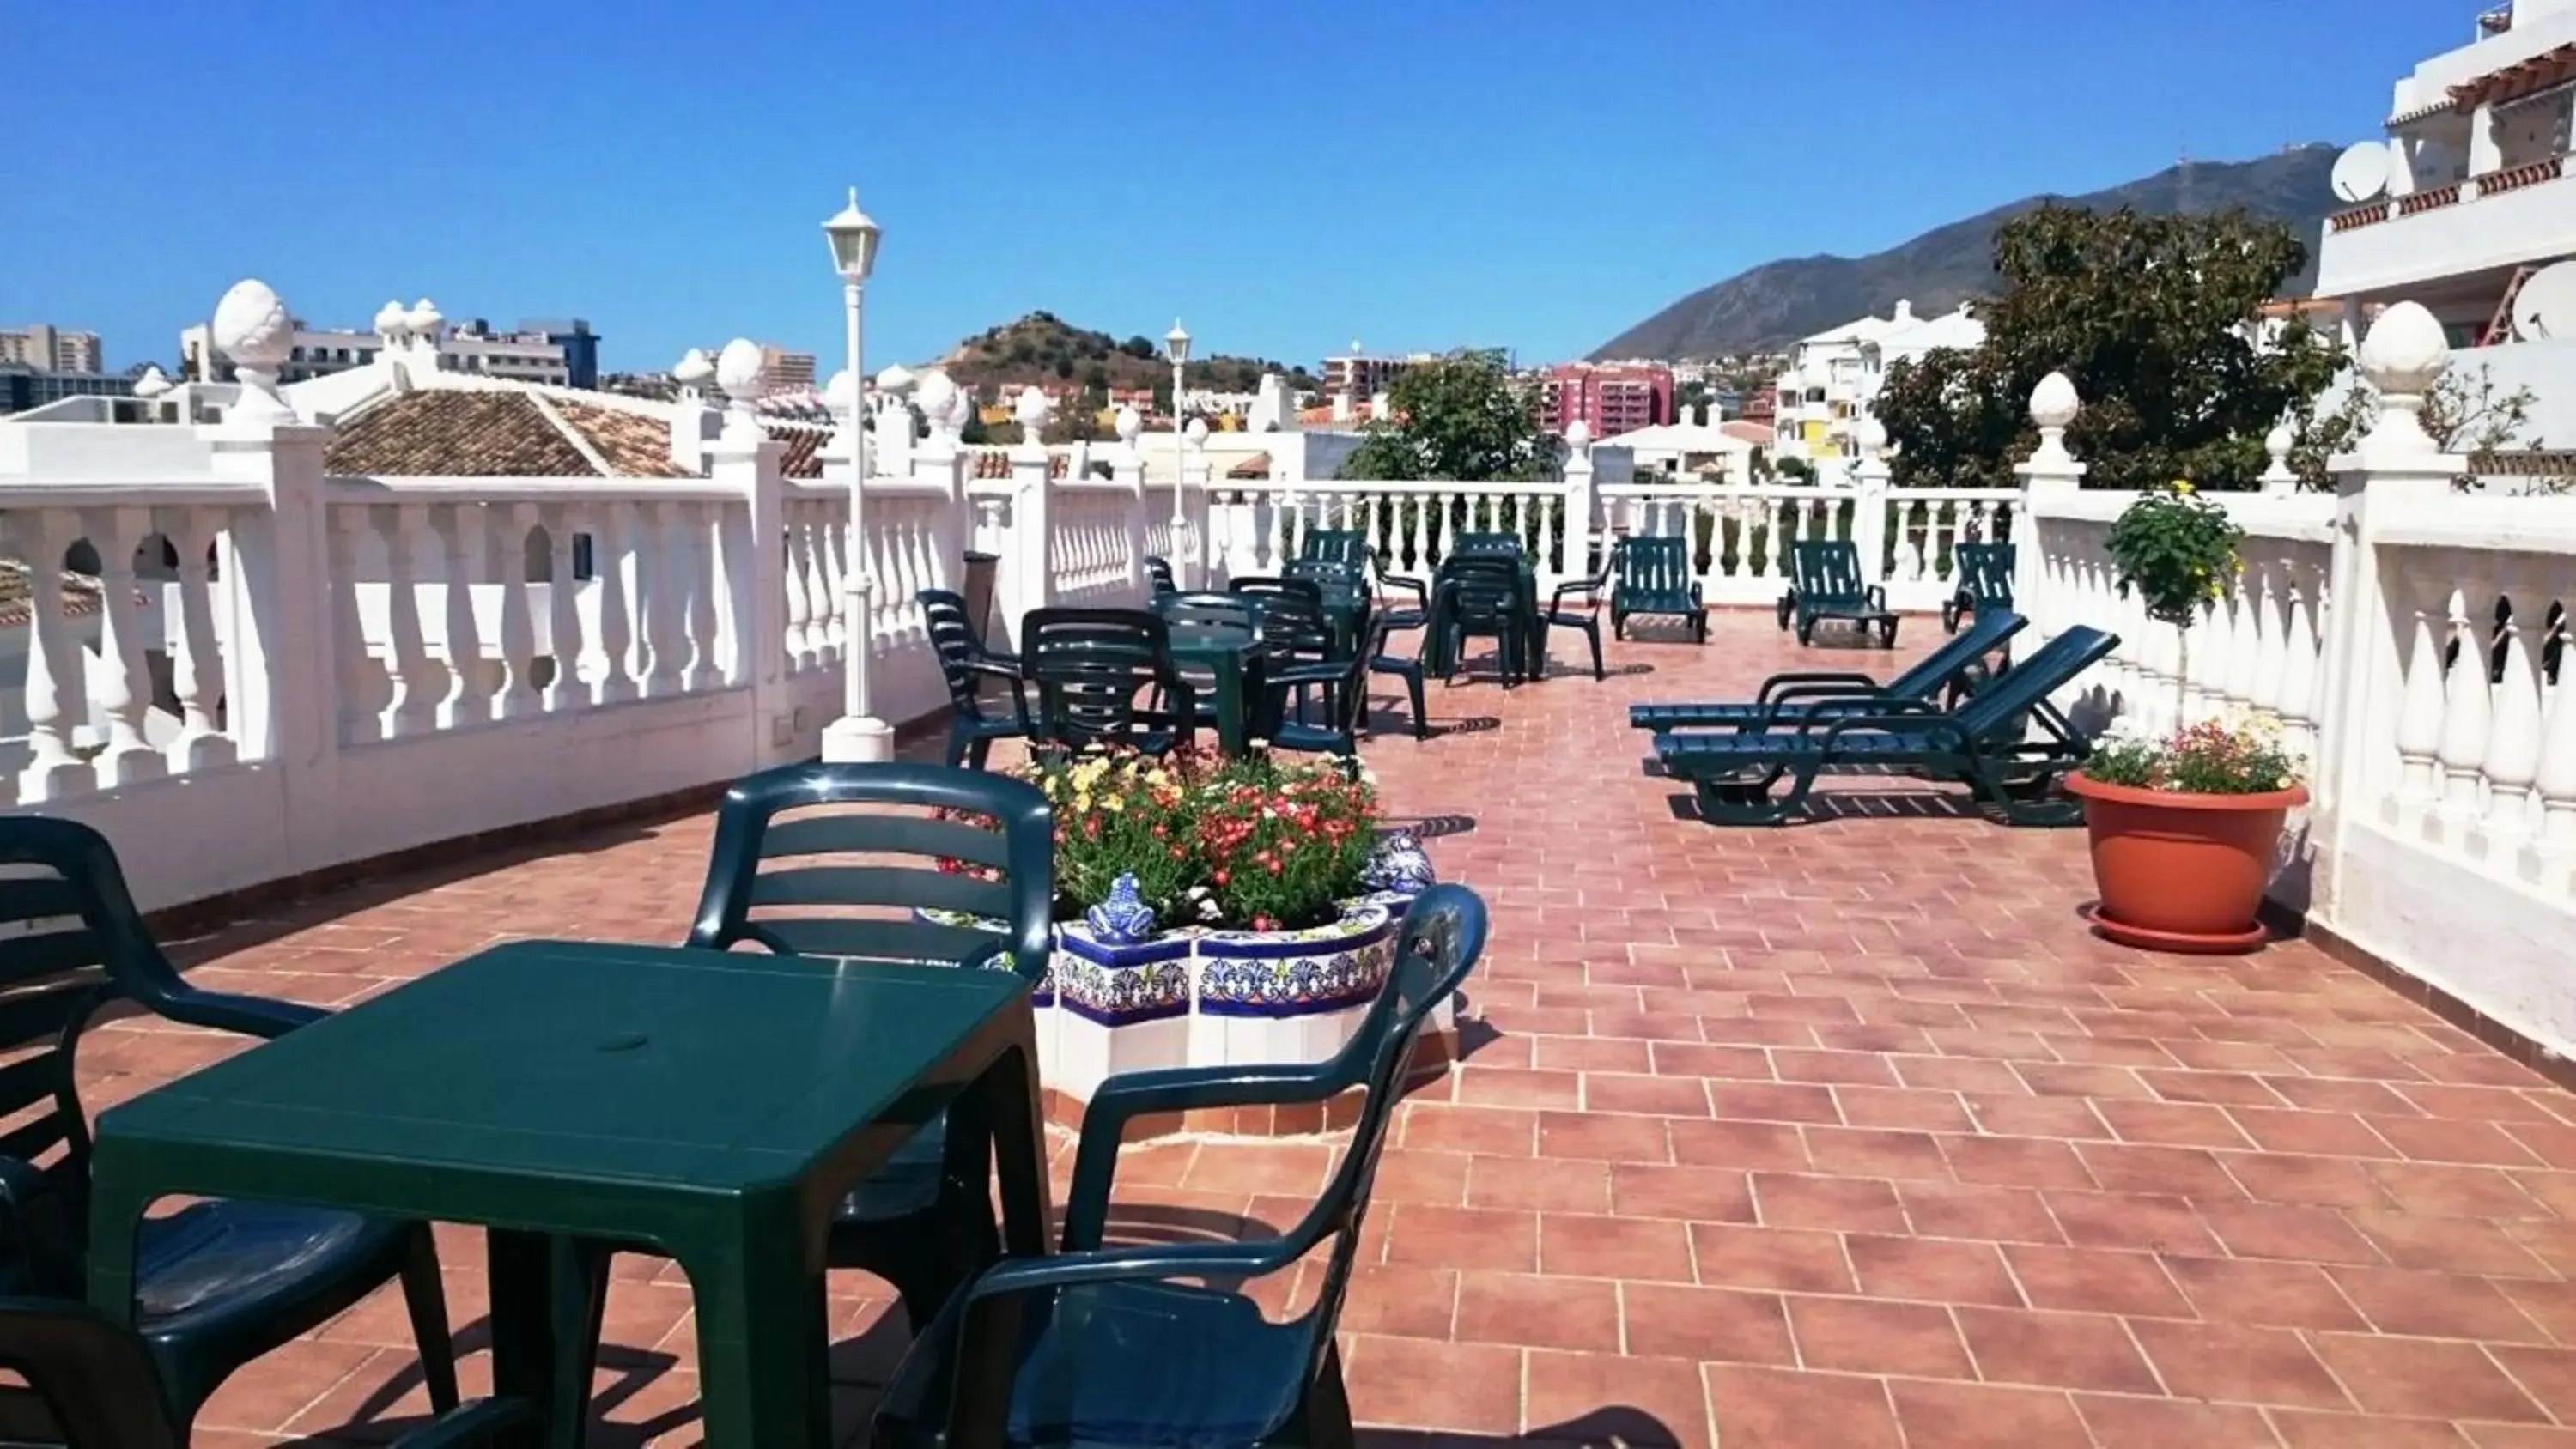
(1176, 346)
(858, 735)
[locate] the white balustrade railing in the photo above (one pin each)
(1740, 534)
(1097, 542)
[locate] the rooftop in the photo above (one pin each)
(1847, 1134)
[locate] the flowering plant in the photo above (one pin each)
(1255, 843)
(2209, 758)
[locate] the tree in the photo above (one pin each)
(1139, 347)
(2459, 415)
(1795, 469)
(2147, 315)
(1458, 419)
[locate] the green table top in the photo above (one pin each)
(570, 1061)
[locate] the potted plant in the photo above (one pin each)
(2184, 829)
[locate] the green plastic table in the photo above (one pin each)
(1235, 658)
(715, 1106)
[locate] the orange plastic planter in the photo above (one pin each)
(2181, 872)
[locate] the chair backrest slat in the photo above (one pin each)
(1104, 677)
(1336, 545)
(1985, 572)
(1826, 570)
(1937, 668)
(1998, 708)
(956, 644)
(992, 862)
(1158, 573)
(1652, 565)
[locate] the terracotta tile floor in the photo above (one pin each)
(1846, 1134)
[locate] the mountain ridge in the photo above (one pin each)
(1772, 305)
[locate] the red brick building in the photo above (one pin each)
(1610, 400)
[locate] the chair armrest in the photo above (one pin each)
(1798, 680)
(1876, 597)
(1588, 589)
(243, 1015)
(1129, 1095)
(1408, 584)
(484, 1424)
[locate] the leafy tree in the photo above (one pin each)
(1796, 470)
(2461, 416)
(2147, 315)
(1457, 419)
(1139, 346)
(1063, 365)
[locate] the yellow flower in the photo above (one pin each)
(2183, 487)
(1082, 804)
(1114, 804)
(1157, 778)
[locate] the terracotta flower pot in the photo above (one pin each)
(2181, 872)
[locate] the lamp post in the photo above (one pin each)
(858, 735)
(1176, 346)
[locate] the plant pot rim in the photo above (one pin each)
(2085, 786)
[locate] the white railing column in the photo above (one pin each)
(2049, 472)
(756, 586)
(1027, 574)
(1578, 502)
(1869, 510)
(2396, 470)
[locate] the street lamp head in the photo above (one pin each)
(1176, 344)
(854, 241)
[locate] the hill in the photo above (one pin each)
(1043, 348)
(1777, 303)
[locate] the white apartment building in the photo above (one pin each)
(2466, 200)
(47, 348)
(1833, 375)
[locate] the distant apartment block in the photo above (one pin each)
(787, 371)
(23, 388)
(1609, 398)
(47, 348)
(558, 353)
(1362, 375)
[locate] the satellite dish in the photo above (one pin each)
(2361, 172)
(2546, 306)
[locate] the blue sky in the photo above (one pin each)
(1415, 174)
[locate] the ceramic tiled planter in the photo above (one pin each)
(1202, 998)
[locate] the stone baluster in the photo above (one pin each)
(2467, 713)
(197, 674)
(2419, 726)
(612, 549)
(57, 691)
(2549, 861)
(2249, 636)
(2205, 690)
(2512, 763)
(563, 611)
(697, 524)
(2299, 672)
(123, 690)
(659, 603)
(469, 691)
(827, 623)
(801, 651)
(413, 710)
(2266, 662)
(354, 672)
(517, 698)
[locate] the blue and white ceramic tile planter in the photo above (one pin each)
(1125, 995)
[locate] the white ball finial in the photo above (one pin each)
(1032, 410)
(2278, 441)
(2053, 404)
(424, 318)
(936, 391)
(740, 370)
(1578, 435)
(1131, 424)
(693, 370)
(1871, 435)
(894, 380)
(251, 326)
(392, 321)
(2404, 351)
(962, 407)
(1196, 432)
(2279, 477)
(151, 384)
(841, 393)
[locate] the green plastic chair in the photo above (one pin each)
(1333, 545)
(1108, 1345)
(965, 664)
(1105, 677)
(90, 1381)
(1825, 584)
(1985, 576)
(1985, 744)
(220, 1282)
(1652, 576)
(924, 1220)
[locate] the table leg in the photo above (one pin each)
(1009, 1089)
(1230, 735)
(763, 1334)
(521, 1267)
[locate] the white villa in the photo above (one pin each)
(1833, 375)
(2467, 201)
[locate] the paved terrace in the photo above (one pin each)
(1841, 1135)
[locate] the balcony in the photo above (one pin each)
(2524, 213)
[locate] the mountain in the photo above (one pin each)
(1777, 303)
(1043, 348)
